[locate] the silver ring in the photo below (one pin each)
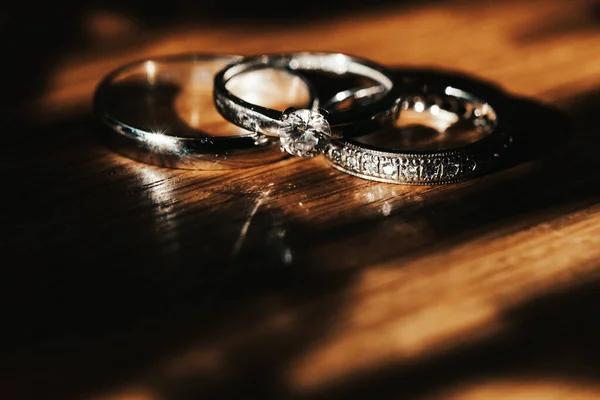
(484, 108)
(307, 132)
(139, 103)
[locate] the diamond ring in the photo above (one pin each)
(308, 132)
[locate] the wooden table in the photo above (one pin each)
(291, 280)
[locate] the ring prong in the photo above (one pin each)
(324, 112)
(287, 112)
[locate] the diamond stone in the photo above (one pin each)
(388, 168)
(410, 171)
(451, 169)
(304, 133)
(335, 154)
(351, 162)
(433, 170)
(370, 165)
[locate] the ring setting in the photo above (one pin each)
(305, 133)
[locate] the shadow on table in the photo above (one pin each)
(111, 282)
(548, 342)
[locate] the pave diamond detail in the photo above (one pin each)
(335, 153)
(433, 170)
(304, 133)
(410, 169)
(370, 164)
(351, 162)
(388, 168)
(451, 169)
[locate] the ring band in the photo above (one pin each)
(483, 107)
(161, 137)
(306, 132)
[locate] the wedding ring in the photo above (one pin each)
(448, 104)
(160, 111)
(307, 132)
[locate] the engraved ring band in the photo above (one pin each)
(479, 107)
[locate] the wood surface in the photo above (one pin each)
(122, 280)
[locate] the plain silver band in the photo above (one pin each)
(268, 121)
(423, 167)
(195, 152)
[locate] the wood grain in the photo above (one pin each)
(291, 280)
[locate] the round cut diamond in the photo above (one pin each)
(304, 133)
(335, 154)
(388, 168)
(351, 162)
(370, 166)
